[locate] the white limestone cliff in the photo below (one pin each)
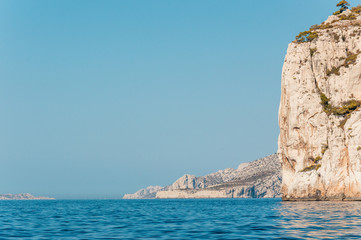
(257, 179)
(319, 114)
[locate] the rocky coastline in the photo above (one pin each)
(257, 179)
(22, 196)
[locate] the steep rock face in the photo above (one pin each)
(319, 115)
(260, 178)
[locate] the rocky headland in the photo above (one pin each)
(319, 114)
(22, 196)
(257, 179)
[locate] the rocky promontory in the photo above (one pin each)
(147, 193)
(319, 115)
(22, 196)
(257, 179)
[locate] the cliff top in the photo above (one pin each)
(342, 18)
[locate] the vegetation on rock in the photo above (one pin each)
(315, 165)
(333, 70)
(321, 26)
(317, 159)
(347, 17)
(343, 122)
(325, 102)
(311, 167)
(349, 60)
(311, 34)
(343, 5)
(356, 9)
(313, 51)
(324, 149)
(346, 108)
(306, 36)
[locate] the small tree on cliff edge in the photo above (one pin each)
(343, 5)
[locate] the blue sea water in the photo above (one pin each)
(179, 219)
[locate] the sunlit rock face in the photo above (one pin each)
(319, 114)
(147, 193)
(257, 179)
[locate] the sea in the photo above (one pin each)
(179, 219)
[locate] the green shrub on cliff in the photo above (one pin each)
(356, 9)
(325, 102)
(317, 159)
(343, 5)
(348, 17)
(333, 70)
(345, 109)
(312, 167)
(351, 59)
(322, 26)
(306, 36)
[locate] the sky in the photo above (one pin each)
(102, 98)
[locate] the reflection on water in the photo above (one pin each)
(321, 220)
(180, 219)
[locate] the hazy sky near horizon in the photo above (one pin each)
(101, 98)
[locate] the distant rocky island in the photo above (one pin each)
(257, 179)
(22, 196)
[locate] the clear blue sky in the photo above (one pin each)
(101, 98)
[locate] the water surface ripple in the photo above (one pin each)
(179, 219)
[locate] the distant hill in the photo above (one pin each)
(257, 179)
(22, 196)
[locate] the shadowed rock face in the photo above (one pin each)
(319, 115)
(257, 179)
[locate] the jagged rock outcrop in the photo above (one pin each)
(257, 179)
(319, 115)
(147, 193)
(22, 196)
